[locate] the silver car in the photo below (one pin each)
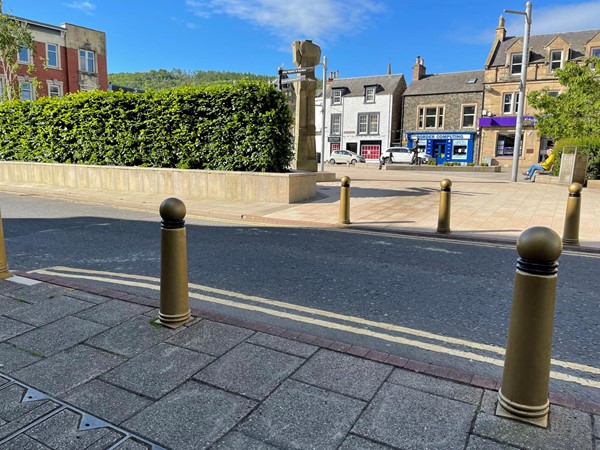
(345, 156)
(403, 155)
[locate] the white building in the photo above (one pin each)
(362, 115)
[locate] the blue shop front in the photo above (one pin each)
(445, 147)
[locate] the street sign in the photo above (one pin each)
(292, 80)
(304, 70)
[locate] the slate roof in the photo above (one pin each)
(355, 87)
(537, 45)
(446, 83)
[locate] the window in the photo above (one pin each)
(468, 116)
(336, 124)
(595, 53)
(472, 81)
(516, 62)
(505, 145)
(24, 56)
(336, 97)
(510, 103)
(54, 90)
(459, 149)
(26, 90)
(555, 60)
(431, 117)
(370, 94)
(86, 61)
(368, 123)
(52, 55)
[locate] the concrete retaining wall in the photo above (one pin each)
(207, 184)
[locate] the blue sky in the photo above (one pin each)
(359, 37)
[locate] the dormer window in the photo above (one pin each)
(336, 97)
(370, 94)
(556, 59)
(516, 62)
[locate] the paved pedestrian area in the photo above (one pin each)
(90, 369)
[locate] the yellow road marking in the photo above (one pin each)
(332, 325)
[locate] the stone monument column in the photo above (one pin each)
(306, 54)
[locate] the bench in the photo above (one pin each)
(541, 172)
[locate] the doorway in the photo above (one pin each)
(439, 152)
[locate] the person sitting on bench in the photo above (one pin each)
(546, 165)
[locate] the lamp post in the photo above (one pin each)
(323, 107)
(524, 63)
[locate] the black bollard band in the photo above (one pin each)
(574, 194)
(537, 267)
(446, 189)
(171, 224)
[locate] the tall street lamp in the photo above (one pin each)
(524, 63)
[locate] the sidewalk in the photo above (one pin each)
(91, 370)
(87, 368)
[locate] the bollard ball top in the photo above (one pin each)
(346, 181)
(172, 209)
(446, 183)
(539, 244)
(575, 188)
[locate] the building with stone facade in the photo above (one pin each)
(66, 58)
(362, 114)
(441, 111)
(502, 79)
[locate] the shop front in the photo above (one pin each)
(445, 147)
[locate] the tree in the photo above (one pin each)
(573, 113)
(13, 37)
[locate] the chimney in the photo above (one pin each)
(500, 31)
(419, 70)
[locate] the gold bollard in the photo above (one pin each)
(174, 302)
(345, 201)
(4, 273)
(444, 213)
(571, 230)
(524, 392)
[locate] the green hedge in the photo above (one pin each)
(243, 127)
(588, 146)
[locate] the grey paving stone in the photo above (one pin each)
(11, 407)
(358, 443)
(86, 296)
(445, 388)
(113, 312)
(283, 345)
(12, 358)
(109, 439)
(489, 401)
(250, 370)
(212, 338)
(426, 420)
(8, 304)
(23, 442)
(597, 426)
(478, 443)
(129, 444)
(158, 370)
(10, 328)
(108, 402)
(13, 426)
(49, 310)
(132, 338)
(191, 417)
(299, 416)
(37, 292)
(153, 313)
(239, 441)
(568, 429)
(68, 369)
(346, 374)
(61, 431)
(57, 336)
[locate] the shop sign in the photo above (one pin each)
(334, 139)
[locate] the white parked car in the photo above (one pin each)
(345, 156)
(403, 155)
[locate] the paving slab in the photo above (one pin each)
(68, 369)
(212, 338)
(596, 426)
(23, 442)
(49, 310)
(11, 407)
(113, 312)
(87, 296)
(406, 418)
(357, 443)
(10, 328)
(568, 429)
(283, 345)
(438, 386)
(250, 370)
(158, 370)
(239, 441)
(132, 337)
(37, 293)
(111, 438)
(478, 443)
(57, 336)
(12, 358)
(300, 416)
(8, 304)
(346, 374)
(108, 402)
(14, 426)
(193, 417)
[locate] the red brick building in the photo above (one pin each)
(66, 58)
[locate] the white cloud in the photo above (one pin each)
(554, 19)
(84, 6)
(319, 20)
